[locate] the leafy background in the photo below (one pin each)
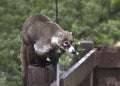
(96, 20)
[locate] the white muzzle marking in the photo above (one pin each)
(72, 51)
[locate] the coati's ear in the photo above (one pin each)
(70, 33)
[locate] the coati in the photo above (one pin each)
(42, 39)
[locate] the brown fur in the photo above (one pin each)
(39, 29)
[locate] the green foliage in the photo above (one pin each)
(65, 62)
(79, 16)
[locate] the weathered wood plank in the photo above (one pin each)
(109, 59)
(76, 74)
(107, 77)
(38, 76)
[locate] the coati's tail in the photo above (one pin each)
(24, 65)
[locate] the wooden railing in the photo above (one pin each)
(76, 74)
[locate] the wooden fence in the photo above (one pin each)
(107, 72)
(98, 66)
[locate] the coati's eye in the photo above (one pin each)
(66, 42)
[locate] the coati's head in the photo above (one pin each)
(64, 40)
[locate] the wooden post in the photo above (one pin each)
(87, 46)
(38, 76)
